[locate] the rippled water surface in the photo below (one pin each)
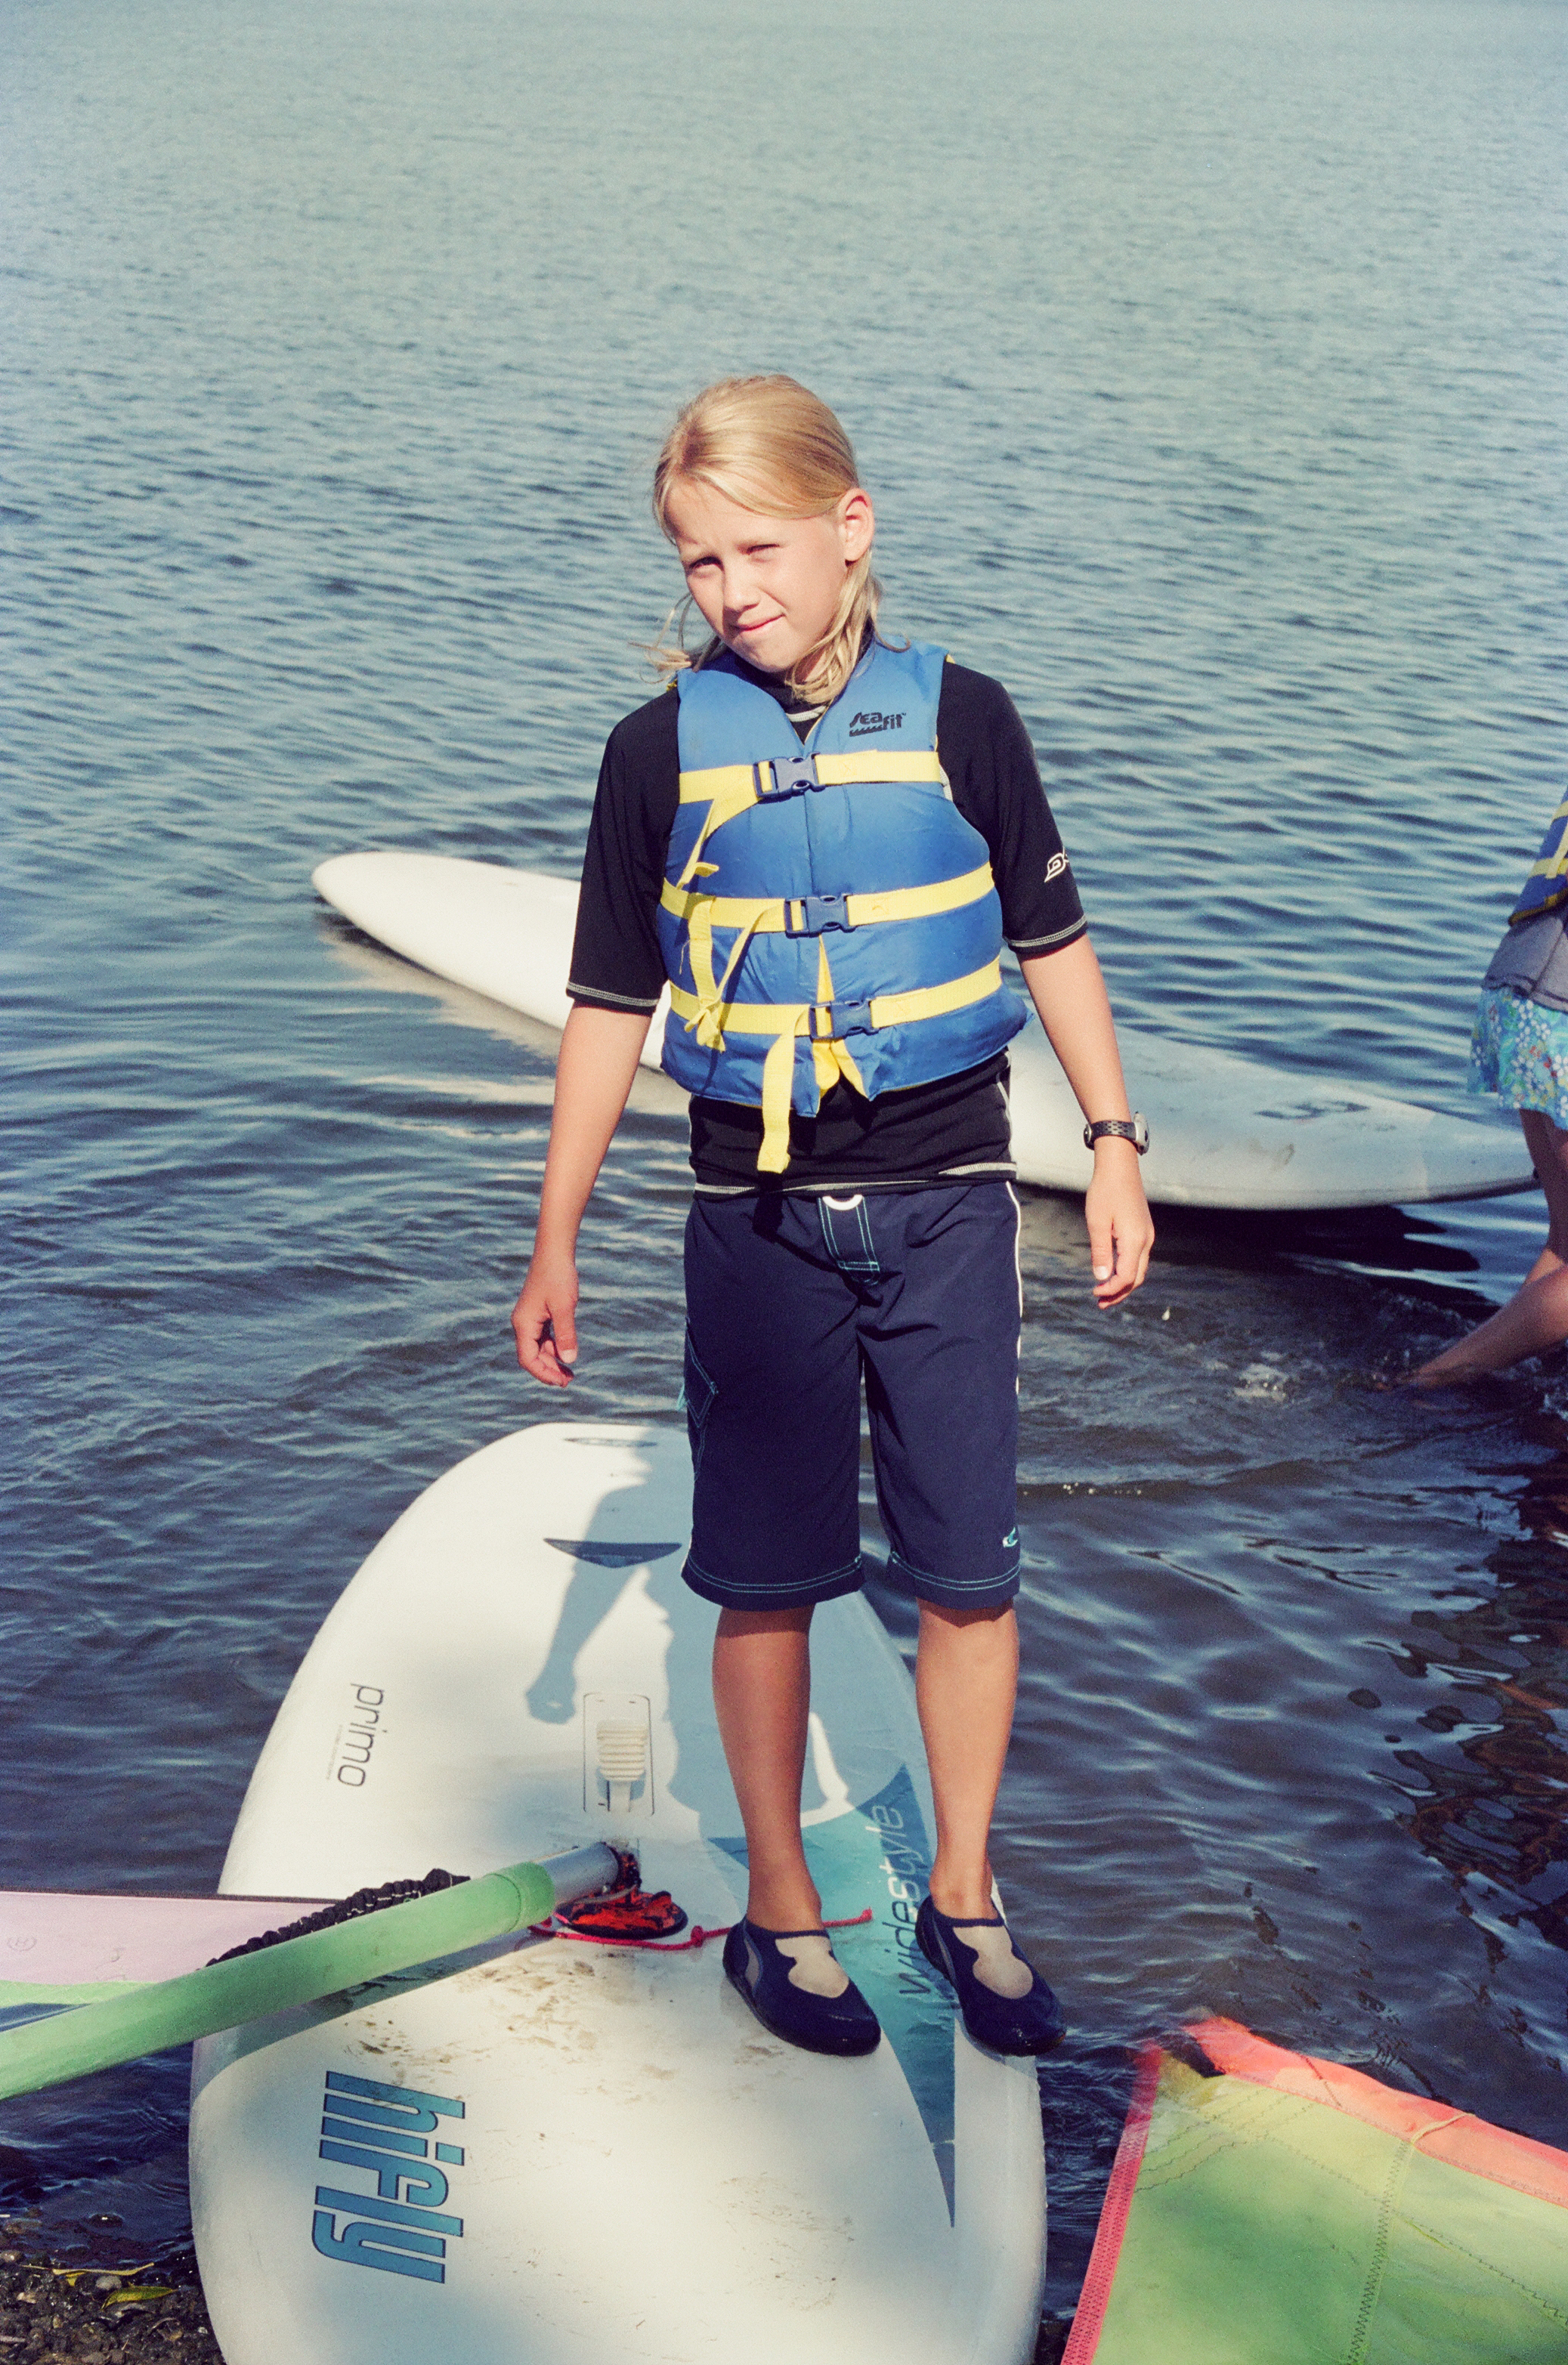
(1207, 364)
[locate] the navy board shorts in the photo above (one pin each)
(790, 1299)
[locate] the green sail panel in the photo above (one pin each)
(1294, 2212)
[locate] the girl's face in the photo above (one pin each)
(768, 585)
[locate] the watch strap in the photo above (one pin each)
(1121, 1128)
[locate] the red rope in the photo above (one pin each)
(696, 1936)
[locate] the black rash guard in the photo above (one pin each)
(954, 1130)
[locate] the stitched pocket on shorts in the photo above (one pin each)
(700, 1393)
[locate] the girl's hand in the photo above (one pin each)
(1069, 994)
(599, 1050)
(1121, 1232)
(544, 1321)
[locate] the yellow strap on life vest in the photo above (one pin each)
(755, 916)
(830, 1059)
(788, 1021)
(1553, 867)
(833, 772)
(729, 789)
(762, 918)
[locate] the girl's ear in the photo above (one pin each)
(857, 524)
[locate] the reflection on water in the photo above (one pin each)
(1207, 361)
(1488, 1794)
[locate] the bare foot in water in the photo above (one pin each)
(1534, 1318)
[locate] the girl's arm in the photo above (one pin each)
(599, 1051)
(1069, 994)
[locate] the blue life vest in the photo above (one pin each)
(1547, 885)
(827, 912)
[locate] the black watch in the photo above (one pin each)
(1131, 1130)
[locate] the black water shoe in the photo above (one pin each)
(798, 1988)
(1005, 2003)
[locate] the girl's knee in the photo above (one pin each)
(987, 1614)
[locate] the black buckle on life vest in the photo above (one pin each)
(830, 1019)
(810, 916)
(785, 775)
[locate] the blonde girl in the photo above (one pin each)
(823, 837)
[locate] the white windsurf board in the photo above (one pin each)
(566, 2153)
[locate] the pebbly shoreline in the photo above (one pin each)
(72, 2314)
(63, 2313)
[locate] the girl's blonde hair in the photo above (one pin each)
(769, 445)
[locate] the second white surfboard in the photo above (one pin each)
(1226, 1132)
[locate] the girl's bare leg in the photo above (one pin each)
(966, 1683)
(1549, 1155)
(762, 1693)
(1536, 1317)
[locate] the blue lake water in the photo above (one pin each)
(1207, 364)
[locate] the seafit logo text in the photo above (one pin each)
(860, 724)
(383, 2132)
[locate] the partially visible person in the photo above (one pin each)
(1521, 1052)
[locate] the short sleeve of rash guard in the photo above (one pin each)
(996, 785)
(616, 960)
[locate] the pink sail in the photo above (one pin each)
(53, 1941)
